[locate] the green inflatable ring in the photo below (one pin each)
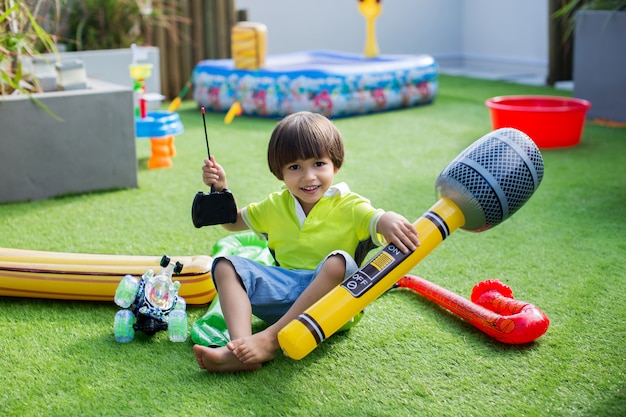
(247, 245)
(210, 330)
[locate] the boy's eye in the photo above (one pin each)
(320, 163)
(293, 167)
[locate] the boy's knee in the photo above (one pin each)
(340, 262)
(222, 265)
(337, 260)
(223, 269)
(335, 265)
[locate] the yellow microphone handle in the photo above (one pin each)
(298, 338)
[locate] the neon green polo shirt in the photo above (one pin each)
(340, 220)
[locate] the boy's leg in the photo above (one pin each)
(238, 315)
(233, 299)
(262, 346)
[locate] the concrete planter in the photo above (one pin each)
(111, 65)
(600, 63)
(93, 148)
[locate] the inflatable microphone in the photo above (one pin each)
(481, 188)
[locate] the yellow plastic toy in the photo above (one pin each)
(235, 110)
(139, 73)
(175, 104)
(370, 9)
(92, 277)
(249, 45)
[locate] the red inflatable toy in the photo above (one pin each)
(492, 310)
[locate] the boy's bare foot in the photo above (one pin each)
(258, 348)
(221, 360)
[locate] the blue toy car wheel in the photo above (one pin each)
(177, 325)
(123, 326)
(126, 291)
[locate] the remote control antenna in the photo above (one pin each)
(206, 136)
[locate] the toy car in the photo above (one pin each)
(151, 304)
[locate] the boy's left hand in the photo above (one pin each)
(398, 230)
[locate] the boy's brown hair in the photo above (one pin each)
(303, 135)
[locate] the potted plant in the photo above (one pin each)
(101, 32)
(111, 24)
(21, 37)
(74, 141)
(599, 30)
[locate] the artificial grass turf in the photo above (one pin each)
(563, 251)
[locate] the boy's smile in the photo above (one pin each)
(309, 179)
(310, 190)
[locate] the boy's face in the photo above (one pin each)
(309, 179)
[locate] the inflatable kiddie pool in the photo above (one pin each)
(332, 83)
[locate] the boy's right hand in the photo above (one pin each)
(213, 174)
(398, 230)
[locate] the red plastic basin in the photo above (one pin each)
(552, 122)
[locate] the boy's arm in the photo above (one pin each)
(238, 225)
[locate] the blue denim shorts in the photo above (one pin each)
(273, 289)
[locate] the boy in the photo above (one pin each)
(314, 230)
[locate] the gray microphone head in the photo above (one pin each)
(492, 178)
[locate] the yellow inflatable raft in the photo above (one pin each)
(76, 276)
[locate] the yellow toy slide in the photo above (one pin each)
(76, 276)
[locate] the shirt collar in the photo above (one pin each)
(339, 189)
